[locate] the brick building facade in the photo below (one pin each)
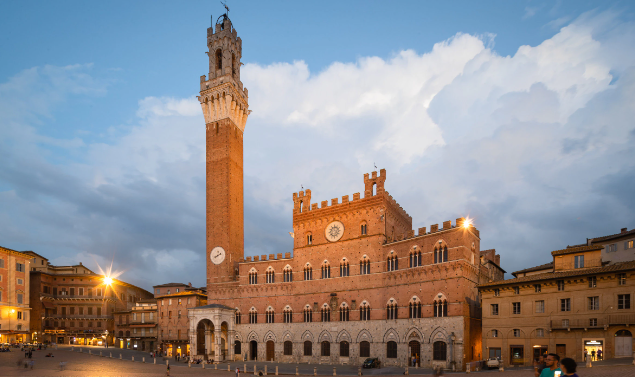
(74, 305)
(137, 328)
(360, 282)
(15, 312)
(580, 301)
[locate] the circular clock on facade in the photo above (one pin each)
(217, 255)
(334, 231)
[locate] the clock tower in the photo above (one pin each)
(224, 103)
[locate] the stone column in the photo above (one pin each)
(217, 342)
(209, 336)
(231, 336)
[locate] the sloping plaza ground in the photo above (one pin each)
(84, 364)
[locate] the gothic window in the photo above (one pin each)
(391, 350)
(415, 258)
(414, 308)
(253, 316)
(309, 239)
(326, 270)
(287, 274)
(253, 276)
(344, 349)
(288, 315)
(308, 314)
(391, 309)
(269, 315)
(364, 349)
(288, 348)
(344, 312)
(237, 317)
(344, 268)
(439, 351)
(364, 266)
(325, 348)
(364, 311)
(392, 264)
(364, 229)
(440, 306)
(270, 276)
(308, 348)
(326, 313)
(219, 60)
(308, 272)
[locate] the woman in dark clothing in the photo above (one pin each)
(568, 367)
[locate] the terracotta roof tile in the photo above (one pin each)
(579, 249)
(537, 268)
(625, 266)
(618, 235)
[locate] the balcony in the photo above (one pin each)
(622, 319)
(578, 323)
(77, 317)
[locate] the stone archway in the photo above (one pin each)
(212, 332)
(204, 330)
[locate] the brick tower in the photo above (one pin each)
(224, 103)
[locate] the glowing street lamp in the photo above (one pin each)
(107, 280)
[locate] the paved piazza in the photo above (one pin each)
(84, 364)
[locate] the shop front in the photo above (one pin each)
(540, 350)
(594, 348)
(517, 355)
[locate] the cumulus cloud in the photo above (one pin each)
(537, 146)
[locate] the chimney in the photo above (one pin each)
(189, 284)
(623, 230)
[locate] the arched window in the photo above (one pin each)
(308, 348)
(344, 268)
(253, 315)
(308, 314)
(363, 228)
(391, 309)
(364, 266)
(288, 348)
(269, 315)
(237, 317)
(344, 349)
(308, 272)
(364, 311)
(326, 313)
(364, 349)
(415, 258)
(414, 308)
(219, 60)
(439, 351)
(440, 307)
(270, 276)
(287, 274)
(392, 263)
(253, 276)
(326, 348)
(391, 350)
(288, 314)
(326, 270)
(120, 333)
(309, 239)
(344, 310)
(441, 254)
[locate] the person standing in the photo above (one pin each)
(237, 372)
(599, 354)
(593, 355)
(551, 366)
(539, 365)
(569, 367)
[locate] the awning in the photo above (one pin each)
(48, 305)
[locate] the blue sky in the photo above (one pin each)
(465, 103)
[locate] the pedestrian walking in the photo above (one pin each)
(32, 364)
(569, 367)
(552, 369)
(168, 371)
(237, 372)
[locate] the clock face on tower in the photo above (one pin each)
(217, 255)
(334, 231)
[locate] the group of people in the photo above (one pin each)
(599, 354)
(552, 366)
(414, 361)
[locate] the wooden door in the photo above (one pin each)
(561, 350)
(270, 350)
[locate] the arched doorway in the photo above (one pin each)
(224, 344)
(415, 352)
(270, 350)
(253, 350)
(623, 343)
(205, 327)
(237, 350)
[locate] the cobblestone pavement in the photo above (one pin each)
(86, 365)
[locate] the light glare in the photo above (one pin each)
(107, 280)
(467, 222)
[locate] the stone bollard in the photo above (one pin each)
(90, 352)
(72, 349)
(189, 364)
(588, 361)
(255, 374)
(56, 347)
(100, 355)
(265, 369)
(167, 362)
(501, 368)
(228, 368)
(155, 360)
(406, 371)
(244, 368)
(203, 364)
(133, 359)
(276, 370)
(334, 372)
(315, 371)
(296, 371)
(215, 366)
(359, 371)
(120, 357)
(144, 359)
(111, 355)
(81, 350)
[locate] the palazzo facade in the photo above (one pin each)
(360, 281)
